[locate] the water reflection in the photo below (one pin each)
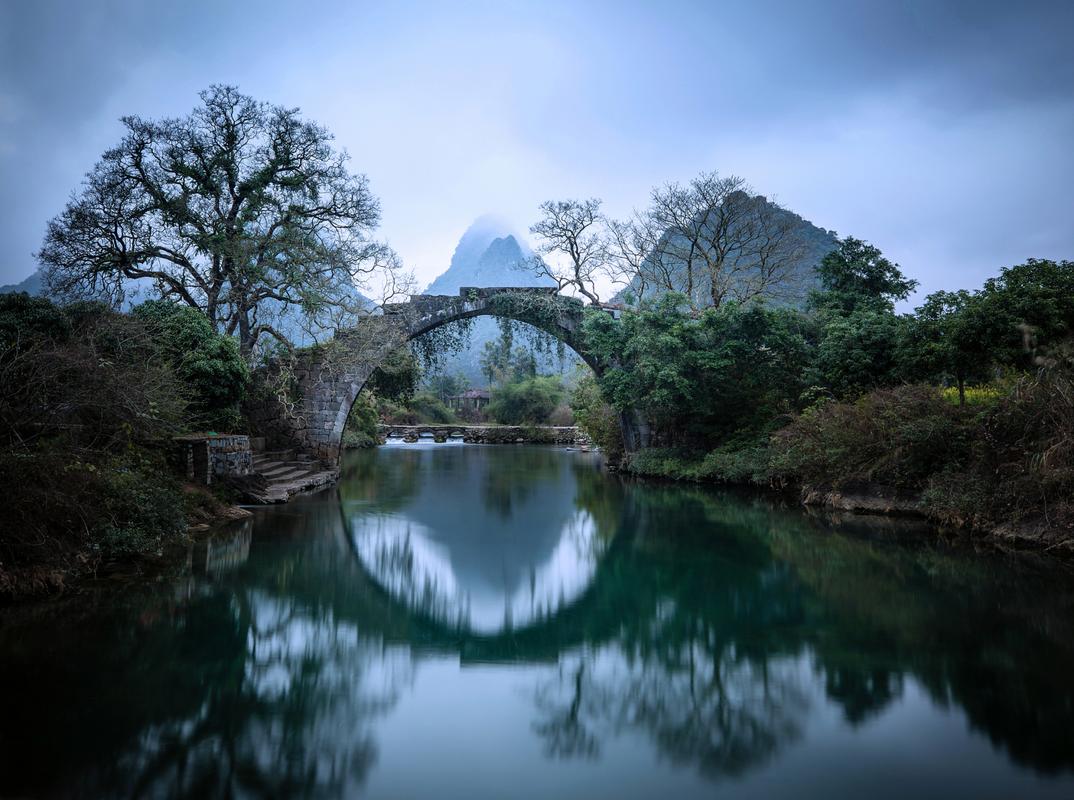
(656, 639)
(489, 546)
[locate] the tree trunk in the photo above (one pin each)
(635, 429)
(246, 346)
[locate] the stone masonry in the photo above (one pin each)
(205, 456)
(328, 378)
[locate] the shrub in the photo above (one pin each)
(97, 387)
(1027, 448)
(561, 415)
(139, 507)
(361, 429)
(891, 437)
(974, 395)
(430, 409)
(71, 513)
(424, 408)
(595, 417)
(530, 401)
(23, 316)
(86, 408)
(745, 461)
(208, 363)
(663, 462)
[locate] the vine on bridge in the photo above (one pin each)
(541, 313)
(433, 347)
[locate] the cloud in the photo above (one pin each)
(938, 130)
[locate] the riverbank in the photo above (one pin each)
(1000, 470)
(1036, 534)
(75, 562)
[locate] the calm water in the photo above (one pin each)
(465, 622)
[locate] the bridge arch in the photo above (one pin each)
(330, 377)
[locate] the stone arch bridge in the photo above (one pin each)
(325, 380)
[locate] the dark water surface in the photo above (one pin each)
(509, 622)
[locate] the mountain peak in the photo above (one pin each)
(489, 253)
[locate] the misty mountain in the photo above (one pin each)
(33, 285)
(489, 253)
(134, 291)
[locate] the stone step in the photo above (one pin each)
(309, 481)
(268, 468)
(299, 459)
(279, 474)
(268, 463)
(281, 491)
(275, 455)
(288, 476)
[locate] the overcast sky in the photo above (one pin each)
(943, 132)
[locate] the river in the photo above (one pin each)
(465, 621)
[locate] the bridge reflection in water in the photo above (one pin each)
(615, 639)
(492, 545)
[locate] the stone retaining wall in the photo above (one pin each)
(202, 456)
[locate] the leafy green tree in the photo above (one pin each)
(859, 352)
(493, 360)
(946, 338)
(856, 276)
(860, 334)
(1028, 305)
(523, 364)
(501, 363)
(530, 401)
(446, 386)
(242, 210)
(207, 362)
(594, 416)
(965, 336)
(700, 377)
(23, 317)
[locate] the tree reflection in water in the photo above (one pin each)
(683, 665)
(246, 685)
(291, 717)
(721, 717)
(712, 627)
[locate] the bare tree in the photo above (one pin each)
(628, 251)
(241, 209)
(712, 241)
(572, 233)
